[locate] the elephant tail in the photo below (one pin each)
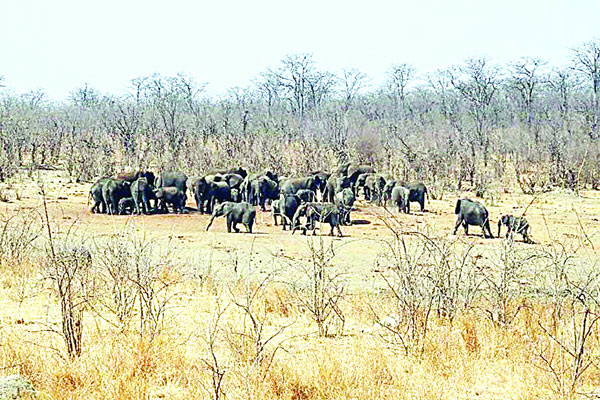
(457, 208)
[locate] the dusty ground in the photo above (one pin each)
(555, 217)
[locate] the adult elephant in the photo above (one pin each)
(234, 170)
(142, 192)
(246, 187)
(172, 178)
(322, 177)
(265, 189)
(344, 201)
(360, 183)
(342, 170)
(170, 195)
(291, 186)
(417, 194)
(96, 195)
(285, 207)
(217, 192)
(472, 213)
(132, 176)
(335, 184)
(390, 184)
(354, 171)
(236, 213)
(400, 196)
(233, 180)
(114, 190)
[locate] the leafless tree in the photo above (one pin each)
(586, 59)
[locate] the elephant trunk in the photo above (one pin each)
(212, 218)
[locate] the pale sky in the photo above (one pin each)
(59, 45)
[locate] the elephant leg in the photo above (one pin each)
(229, 222)
(407, 206)
(339, 231)
(422, 202)
(457, 225)
(466, 228)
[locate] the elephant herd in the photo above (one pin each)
(296, 203)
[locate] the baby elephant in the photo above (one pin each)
(126, 205)
(515, 225)
(236, 213)
(472, 213)
(170, 195)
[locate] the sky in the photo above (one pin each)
(60, 45)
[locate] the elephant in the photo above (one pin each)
(400, 198)
(285, 207)
(373, 186)
(173, 178)
(515, 225)
(234, 170)
(170, 195)
(126, 205)
(361, 182)
(236, 213)
(114, 190)
(291, 186)
(472, 213)
(200, 190)
(96, 195)
(344, 201)
(387, 190)
(264, 189)
(322, 177)
(306, 195)
(132, 176)
(322, 212)
(335, 184)
(246, 186)
(141, 192)
(217, 192)
(355, 171)
(417, 194)
(233, 180)
(342, 170)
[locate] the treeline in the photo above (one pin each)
(470, 125)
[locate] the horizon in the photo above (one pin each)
(58, 48)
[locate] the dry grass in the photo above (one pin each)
(269, 348)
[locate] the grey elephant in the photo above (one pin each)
(264, 190)
(142, 192)
(386, 194)
(335, 184)
(344, 201)
(471, 212)
(173, 178)
(233, 180)
(217, 192)
(170, 195)
(400, 198)
(306, 195)
(323, 177)
(361, 183)
(236, 213)
(285, 207)
(96, 195)
(322, 212)
(234, 170)
(200, 190)
(247, 185)
(114, 190)
(132, 176)
(354, 171)
(126, 205)
(417, 194)
(292, 185)
(515, 225)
